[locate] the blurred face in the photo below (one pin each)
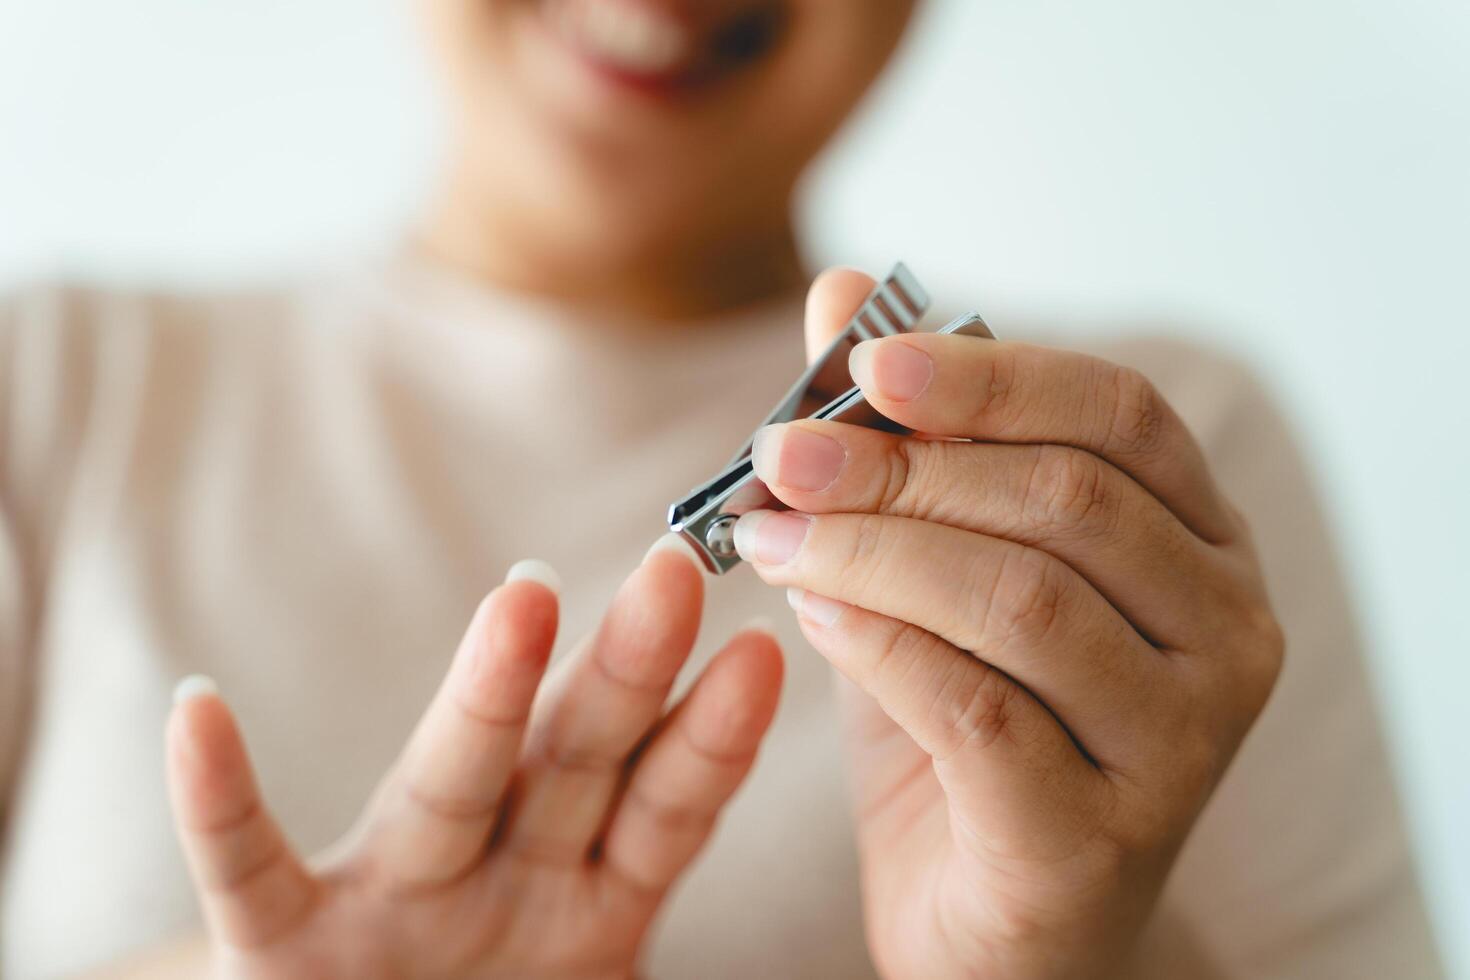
(624, 125)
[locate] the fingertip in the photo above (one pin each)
(514, 628)
(670, 543)
(198, 714)
(186, 720)
(834, 296)
(817, 610)
(209, 770)
(650, 626)
(766, 644)
(672, 566)
(843, 285)
(771, 672)
(860, 364)
(528, 605)
(202, 727)
(754, 655)
(535, 570)
(195, 686)
(747, 536)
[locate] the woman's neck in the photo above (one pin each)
(688, 277)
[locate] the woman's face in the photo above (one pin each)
(651, 118)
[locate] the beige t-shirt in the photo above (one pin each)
(304, 490)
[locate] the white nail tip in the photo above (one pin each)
(745, 534)
(194, 686)
(670, 542)
(535, 570)
(860, 363)
(766, 448)
(815, 609)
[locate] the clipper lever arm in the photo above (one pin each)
(706, 516)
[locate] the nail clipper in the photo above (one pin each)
(706, 517)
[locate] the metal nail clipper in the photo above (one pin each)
(706, 517)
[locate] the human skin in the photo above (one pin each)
(1055, 628)
(660, 200)
(1056, 634)
(663, 199)
(507, 840)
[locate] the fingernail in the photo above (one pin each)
(670, 542)
(898, 371)
(770, 537)
(817, 608)
(194, 686)
(790, 456)
(535, 570)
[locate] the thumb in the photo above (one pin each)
(833, 299)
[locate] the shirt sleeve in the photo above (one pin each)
(1300, 865)
(16, 581)
(45, 394)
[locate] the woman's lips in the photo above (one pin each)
(659, 46)
(624, 35)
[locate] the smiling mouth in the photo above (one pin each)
(661, 47)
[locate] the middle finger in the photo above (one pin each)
(1064, 501)
(598, 710)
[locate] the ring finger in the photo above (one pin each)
(1015, 608)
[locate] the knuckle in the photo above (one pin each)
(448, 807)
(1251, 647)
(477, 708)
(866, 555)
(581, 759)
(996, 401)
(1138, 411)
(899, 476)
(1239, 523)
(1068, 488)
(672, 816)
(916, 480)
(982, 712)
(725, 739)
(899, 654)
(1198, 756)
(1190, 757)
(1026, 598)
(249, 869)
(1264, 656)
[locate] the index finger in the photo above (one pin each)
(996, 391)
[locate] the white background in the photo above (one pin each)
(1290, 180)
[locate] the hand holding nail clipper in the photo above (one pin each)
(1055, 628)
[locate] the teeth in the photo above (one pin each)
(623, 33)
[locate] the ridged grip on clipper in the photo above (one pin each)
(706, 517)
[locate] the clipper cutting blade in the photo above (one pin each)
(706, 516)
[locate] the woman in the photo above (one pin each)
(1054, 637)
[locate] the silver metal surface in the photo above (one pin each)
(719, 537)
(706, 516)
